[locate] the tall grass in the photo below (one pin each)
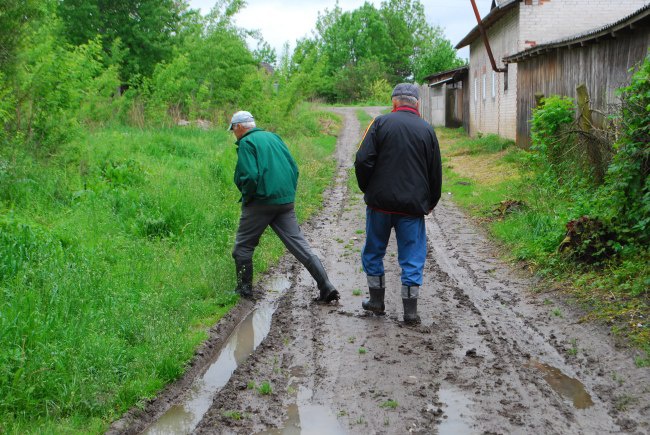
(114, 257)
(615, 291)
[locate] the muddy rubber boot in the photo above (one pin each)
(244, 271)
(377, 290)
(410, 301)
(328, 292)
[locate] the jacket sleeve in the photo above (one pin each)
(364, 163)
(246, 171)
(435, 173)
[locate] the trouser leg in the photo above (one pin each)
(411, 238)
(252, 223)
(378, 227)
(286, 227)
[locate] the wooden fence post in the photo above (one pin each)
(586, 125)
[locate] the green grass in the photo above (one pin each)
(114, 260)
(615, 292)
(364, 118)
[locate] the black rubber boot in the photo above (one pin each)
(328, 292)
(411, 316)
(244, 278)
(377, 290)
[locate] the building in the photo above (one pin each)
(514, 26)
(603, 59)
(445, 98)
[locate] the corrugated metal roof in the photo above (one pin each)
(589, 35)
(449, 72)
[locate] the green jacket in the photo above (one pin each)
(265, 170)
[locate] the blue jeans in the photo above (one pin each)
(411, 245)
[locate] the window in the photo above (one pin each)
(484, 84)
(494, 84)
(475, 89)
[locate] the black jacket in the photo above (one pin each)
(398, 164)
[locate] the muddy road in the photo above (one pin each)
(495, 353)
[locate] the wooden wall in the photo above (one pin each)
(603, 66)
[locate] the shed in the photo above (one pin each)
(602, 59)
(445, 99)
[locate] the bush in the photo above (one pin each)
(624, 200)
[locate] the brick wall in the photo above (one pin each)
(548, 20)
(496, 113)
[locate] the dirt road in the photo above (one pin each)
(491, 355)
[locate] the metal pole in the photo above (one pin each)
(485, 39)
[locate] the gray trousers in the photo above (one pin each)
(282, 219)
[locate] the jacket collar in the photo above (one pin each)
(407, 109)
(247, 133)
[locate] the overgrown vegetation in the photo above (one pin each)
(590, 235)
(116, 224)
(361, 54)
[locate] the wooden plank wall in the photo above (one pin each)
(603, 66)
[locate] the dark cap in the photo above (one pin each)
(406, 90)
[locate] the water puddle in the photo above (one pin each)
(182, 418)
(456, 410)
(305, 418)
(569, 388)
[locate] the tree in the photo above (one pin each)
(367, 45)
(146, 28)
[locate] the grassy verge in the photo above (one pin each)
(488, 177)
(114, 258)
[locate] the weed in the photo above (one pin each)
(352, 339)
(251, 385)
(392, 404)
(359, 231)
(573, 351)
(548, 302)
(233, 415)
(556, 312)
(291, 390)
(265, 388)
(342, 413)
(360, 420)
(386, 421)
(362, 350)
(339, 240)
(623, 402)
(617, 378)
(356, 292)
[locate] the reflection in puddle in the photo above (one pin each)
(567, 387)
(456, 409)
(183, 418)
(307, 419)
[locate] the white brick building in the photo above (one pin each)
(516, 25)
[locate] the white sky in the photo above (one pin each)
(288, 20)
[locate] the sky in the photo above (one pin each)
(283, 21)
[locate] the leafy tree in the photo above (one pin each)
(367, 45)
(15, 19)
(146, 28)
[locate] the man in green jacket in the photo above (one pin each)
(267, 176)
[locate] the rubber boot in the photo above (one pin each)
(410, 301)
(244, 271)
(377, 290)
(328, 292)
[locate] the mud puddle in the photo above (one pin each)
(183, 417)
(455, 405)
(570, 388)
(305, 418)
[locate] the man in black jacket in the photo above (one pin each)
(399, 170)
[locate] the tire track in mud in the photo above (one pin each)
(473, 366)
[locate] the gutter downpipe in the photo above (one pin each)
(485, 40)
